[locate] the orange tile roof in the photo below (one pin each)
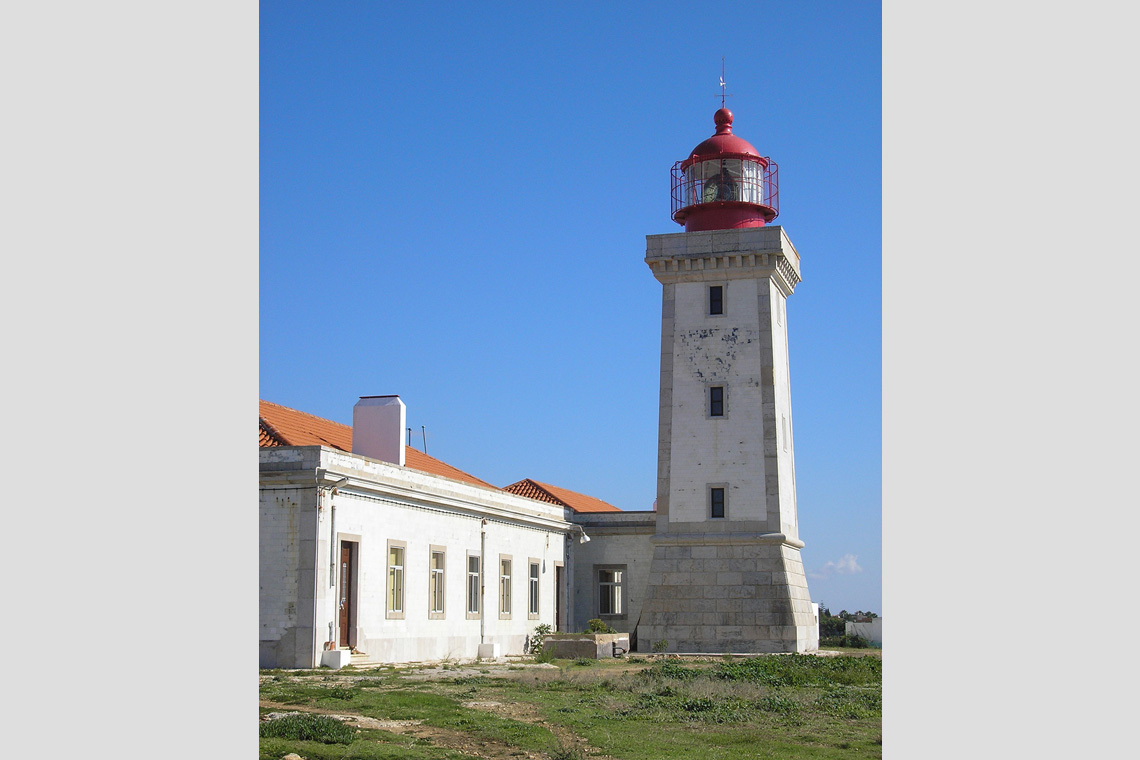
(578, 502)
(281, 426)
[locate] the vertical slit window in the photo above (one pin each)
(716, 299)
(716, 502)
(716, 401)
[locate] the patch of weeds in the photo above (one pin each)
(585, 662)
(669, 669)
(804, 670)
(660, 645)
(313, 728)
(844, 702)
(635, 660)
(470, 680)
(341, 692)
(567, 752)
(779, 704)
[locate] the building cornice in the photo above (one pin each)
(724, 539)
(714, 255)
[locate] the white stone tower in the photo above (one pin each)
(726, 573)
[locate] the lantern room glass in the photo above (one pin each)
(724, 179)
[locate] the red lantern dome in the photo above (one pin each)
(724, 183)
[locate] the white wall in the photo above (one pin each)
(720, 350)
(872, 632)
(302, 524)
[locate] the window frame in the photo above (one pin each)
(710, 489)
(710, 409)
(723, 292)
(619, 584)
(437, 596)
(534, 588)
(474, 592)
(506, 582)
(396, 578)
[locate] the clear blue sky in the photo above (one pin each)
(454, 200)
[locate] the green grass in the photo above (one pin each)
(788, 706)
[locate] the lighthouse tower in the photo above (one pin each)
(726, 574)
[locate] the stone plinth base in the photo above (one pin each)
(727, 596)
(335, 658)
(596, 646)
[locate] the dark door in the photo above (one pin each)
(559, 621)
(347, 571)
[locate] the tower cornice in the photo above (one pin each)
(712, 255)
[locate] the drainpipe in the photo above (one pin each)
(482, 579)
(334, 625)
(314, 652)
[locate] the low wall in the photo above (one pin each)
(872, 632)
(595, 646)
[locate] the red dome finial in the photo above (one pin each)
(723, 119)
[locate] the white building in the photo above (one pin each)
(397, 556)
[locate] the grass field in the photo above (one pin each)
(780, 706)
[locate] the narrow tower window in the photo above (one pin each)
(716, 401)
(716, 502)
(716, 299)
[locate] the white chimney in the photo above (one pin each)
(378, 428)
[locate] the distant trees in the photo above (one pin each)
(836, 625)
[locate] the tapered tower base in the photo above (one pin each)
(735, 595)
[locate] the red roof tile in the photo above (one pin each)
(281, 426)
(578, 502)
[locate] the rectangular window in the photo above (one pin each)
(716, 502)
(395, 580)
(504, 586)
(716, 401)
(716, 299)
(435, 584)
(472, 585)
(533, 608)
(610, 591)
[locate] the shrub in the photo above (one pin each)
(539, 637)
(660, 646)
(597, 625)
(312, 728)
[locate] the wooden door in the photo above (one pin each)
(559, 620)
(347, 572)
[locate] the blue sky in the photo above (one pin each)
(454, 201)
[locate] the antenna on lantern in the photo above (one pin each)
(722, 85)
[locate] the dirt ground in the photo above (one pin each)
(457, 740)
(448, 738)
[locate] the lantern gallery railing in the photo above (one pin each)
(744, 180)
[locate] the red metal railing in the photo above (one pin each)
(688, 189)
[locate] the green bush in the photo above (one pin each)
(312, 728)
(661, 645)
(538, 638)
(597, 625)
